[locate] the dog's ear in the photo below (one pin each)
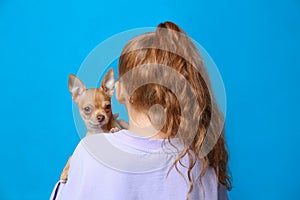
(108, 83)
(75, 85)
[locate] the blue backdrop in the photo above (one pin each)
(255, 44)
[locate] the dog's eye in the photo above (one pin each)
(107, 107)
(87, 109)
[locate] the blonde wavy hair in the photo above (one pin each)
(162, 52)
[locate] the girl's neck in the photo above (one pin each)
(139, 123)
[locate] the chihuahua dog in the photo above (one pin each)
(95, 108)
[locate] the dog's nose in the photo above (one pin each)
(100, 118)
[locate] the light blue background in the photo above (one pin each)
(255, 44)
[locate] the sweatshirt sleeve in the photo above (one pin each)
(222, 192)
(72, 188)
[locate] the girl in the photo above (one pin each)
(174, 147)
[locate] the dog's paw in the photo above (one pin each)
(113, 130)
(64, 177)
(63, 180)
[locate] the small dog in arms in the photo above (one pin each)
(95, 109)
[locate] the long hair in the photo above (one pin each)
(161, 53)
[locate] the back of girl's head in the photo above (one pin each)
(165, 68)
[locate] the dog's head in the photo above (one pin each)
(94, 104)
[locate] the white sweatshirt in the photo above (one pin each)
(124, 166)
